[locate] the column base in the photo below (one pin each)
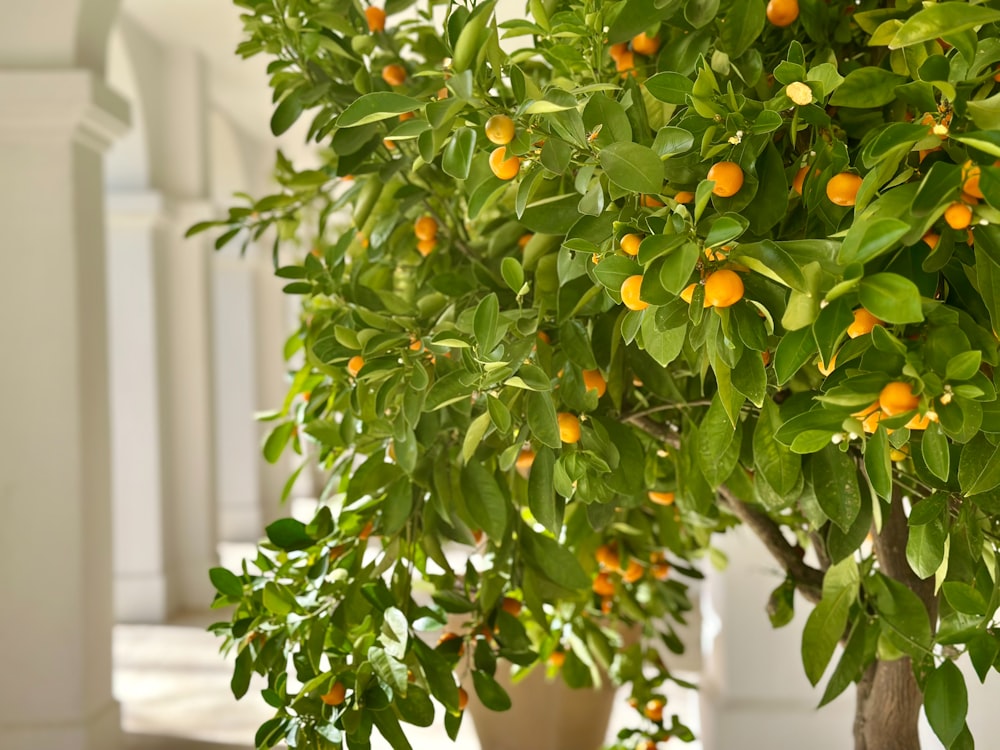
(99, 732)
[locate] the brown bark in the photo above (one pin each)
(888, 698)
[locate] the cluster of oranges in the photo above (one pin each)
(610, 567)
(426, 229)
(624, 58)
(500, 132)
(896, 398)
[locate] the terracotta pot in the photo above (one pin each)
(546, 715)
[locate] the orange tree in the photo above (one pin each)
(581, 289)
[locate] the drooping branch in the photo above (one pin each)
(808, 580)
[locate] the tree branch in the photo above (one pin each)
(808, 580)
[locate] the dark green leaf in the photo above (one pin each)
(226, 582)
(489, 691)
(835, 482)
(486, 503)
(891, 297)
(457, 157)
(867, 87)
(946, 702)
(979, 466)
(940, 20)
(542, 419)
(541, 491)
(633, 167)
(288, 534)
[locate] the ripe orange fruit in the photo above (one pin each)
(594, 381)
(603, 584)
(511, 606)
(634, 571)
(684, 196)
(863, 323)
(970, 180)
(662, 498)
(826, 369)
(687, 293)
(897, 397)
(503, 167)
(607, 557)
(569, 427)
(723, 288)
(354, 365)
(782, 12)
(450, 636)
(544, 337)
(500, 130)
(617, 50)
(800, 179)
(625, 64)
(646, 45)
(607, 605)
(650, 201)
(426, 247)
(524, 239)
(842, 189)
(404, 116)
(958, 215)
(932, 239)
(646, 744)
(394, 74)
(557, 659)
(366, 531)
(463, 699)
(728, 178)
(336, 695)
(630, 244)
(630, 293)
(524, 461)
(426, 228)
(376, 18)
(661, 570)
(654, 709)
(918, 422)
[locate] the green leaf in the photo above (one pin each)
(964, 598)
(633, 167)
(474, 435)
(576, 345)
(489, 691)
(851, 664)
(771, 260)
(242, 671)
(878, 464)
(963, 366)
(725, 228)
(743, 24)
(662, 346)
(226, 582)
(867, 87)
(985, 112)
(457, 157)
(934, 448)
(925, 548)
(979, 466)
(485, 501)
(542, 419)
(903, 612)
(391, 670)
(278, 599)
(891, 297)
(946, 702)
(823, 631)
(541, 490)
(553, 560)
(835, 482)
(613, 270)
(868, 240)
(939, 20)
(484, 323)
(276, 441)
(780, 466)
(794, 350)
(380, 105)
(718, 444)
(672, 88)
(388, 726)
(513, 274)
(288, 534)
(984, 649)
(286, 113)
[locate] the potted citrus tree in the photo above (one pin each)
(576, 304)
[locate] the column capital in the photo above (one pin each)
(45, 105)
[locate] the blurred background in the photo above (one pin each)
(132, 362)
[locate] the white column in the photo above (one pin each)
(236, 446)
(55, 510)
(753, 688)
(140, 581)
(182, 273)
(183, 291)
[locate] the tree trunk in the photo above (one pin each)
(888, 698)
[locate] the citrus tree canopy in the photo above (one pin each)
(584, 287)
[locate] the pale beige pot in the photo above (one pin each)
(546, 715)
